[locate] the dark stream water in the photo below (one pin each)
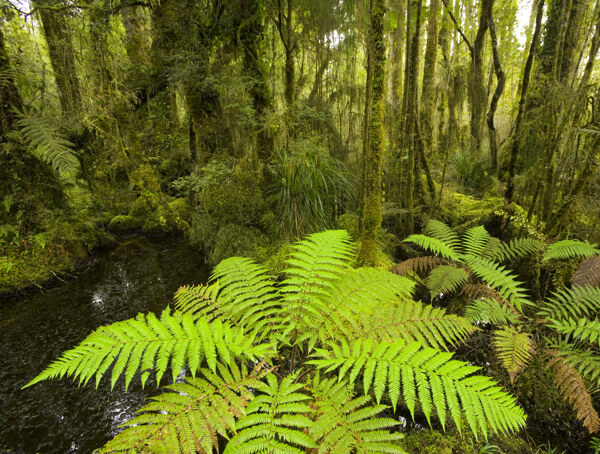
(140, 275)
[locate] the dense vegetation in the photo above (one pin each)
(453, 143)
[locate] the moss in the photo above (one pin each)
(348, 222)
(236, 240)
(122, 222)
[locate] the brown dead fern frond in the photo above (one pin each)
(588, 272)
(417, 265)
(574, 390)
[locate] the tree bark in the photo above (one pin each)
(9, 95)
(501, 80)
(371, 212)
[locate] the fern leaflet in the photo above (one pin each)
(567, 249)
(491, 311)
(515, 249)
(434, 245)
(441, 231)
(417, 265)
(445, 279)
(514, 349)
(475, 240)
(572, 303)
(588, 272)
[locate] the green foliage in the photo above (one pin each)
(434, 245)
(567, 249)
(445, 278)
(50, 145)
(323, 315)
(514, 349)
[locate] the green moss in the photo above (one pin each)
(123, 222)
(236, 240)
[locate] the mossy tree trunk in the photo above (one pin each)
(477, 92)
(62, 56)
(251, 32)
(371, 212)
(429, 78)
(501, 80)
(9, 95)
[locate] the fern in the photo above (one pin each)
(198, 301)
(427, 375)
(514, 349)
(588, 272)
(434, 245)
(417, 265)
(147, 342)
(573, 388)
(445, 279)
(568, 249)
(49, 145)
(442, 232)
(586, 361)
(344, 424)
(275, 420)
(490, 311)
(499, 278)
(515, 249)
(475, 240)
(413, 321)
(189, 416)
(572, 303)
(480, 291)
(583, 329)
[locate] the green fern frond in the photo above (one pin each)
(344, 424)
(514, 350)
(515, 249)
(315, 266)
(198, 301)
(568, 249)
(413, 321)
(49, 145)
(446, 279)
(583, 329)
(574, 390)
(434, 245)
(480, 291)
(247, 296)
(188, 417)
(417, 265)
(428, 375)
(588, 272)
(500, 279)
(572, 303)
(276, 420)
(490, 310)
(146, 342)
(475, 240)
(586, 361)
(441, 231)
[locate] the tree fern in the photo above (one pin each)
(490, 310)
(345, 424)
(572, 303)
(442, 232)
(500, 279)
(147, 342)
(515, 249)
(189, 417)
(275, 420)
(417, 265)
(574, 390)
(579, 356)
(514, 349)
(475, 240)
(568, 249)
(480, 291)
(445, 279)
(427, 375)
(582, 329)
(434, 245)
(49, 145)
(198, 301)
(588, 272)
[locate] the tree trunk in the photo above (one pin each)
(9, 95)
(429, 79)
(371, 212)
(501, 80)
(62, 58)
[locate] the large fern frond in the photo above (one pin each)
(514, 350)
(582, 329)
(574, 390)
(414, 321)
(316, 264)
(49, 145)
(568, 249)
(499, 278)
(146, 342)
(198, 301)
(572, 303)
(246, 296)
(428, 375)
(515, 249)
(417, 264)
(441, 231)
(446, 279)
(276, 420)
(480, 291)
(490, 310)
(475, 240)
(343, 424)
(189, 416)
(434, 245)
(586, 361)
(588, 272)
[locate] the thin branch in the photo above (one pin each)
(458, 27)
